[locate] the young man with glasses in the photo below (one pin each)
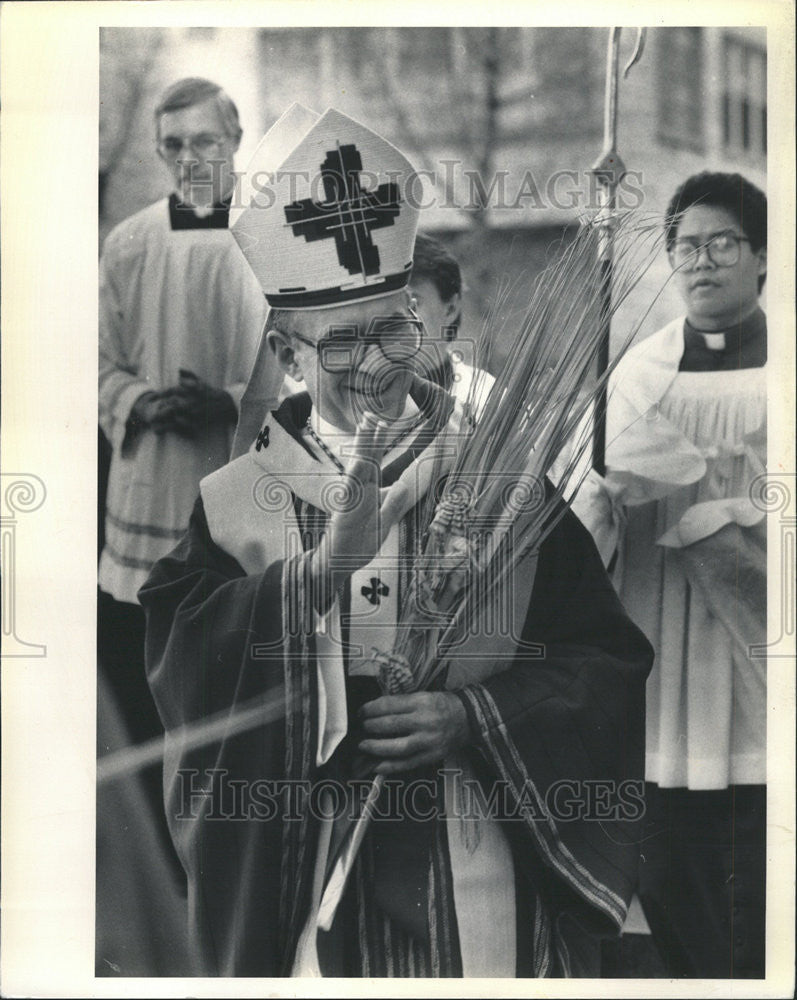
(267, 616)
(180, 314)
(686, 440)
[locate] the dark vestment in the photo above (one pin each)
(220, 640)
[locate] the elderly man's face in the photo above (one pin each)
(336, 354)
(717, 293)
(194, 145)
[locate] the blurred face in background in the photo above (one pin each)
(194, 144)
(435, 313)
(716, 269)
(437, 316)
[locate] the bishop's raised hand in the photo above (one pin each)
(364, 514)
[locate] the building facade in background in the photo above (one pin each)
(504, 123)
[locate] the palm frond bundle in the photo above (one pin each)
(497, 505)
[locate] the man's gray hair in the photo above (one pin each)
(194, 90)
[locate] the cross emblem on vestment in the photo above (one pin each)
(348, 214)
(262, 439)
(376, 591)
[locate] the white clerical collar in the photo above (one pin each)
(714, 341)
(202, 211)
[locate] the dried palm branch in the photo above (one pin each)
(497, 505)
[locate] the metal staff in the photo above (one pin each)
(609, 170)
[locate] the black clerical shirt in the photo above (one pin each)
(182, 216)
(745, 346)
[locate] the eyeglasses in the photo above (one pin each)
(723, 250)
(399, 339)
(203, 144)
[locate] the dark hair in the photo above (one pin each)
(433, 261)
(732, 192)
(194, 90)
(745, 202)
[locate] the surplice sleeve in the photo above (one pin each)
(120, 383)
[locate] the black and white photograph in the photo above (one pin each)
(403, 414)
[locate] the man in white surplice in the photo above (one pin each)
(180, 314)
(686, 444)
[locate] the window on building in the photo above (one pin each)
(680, 87)
(744, 102)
